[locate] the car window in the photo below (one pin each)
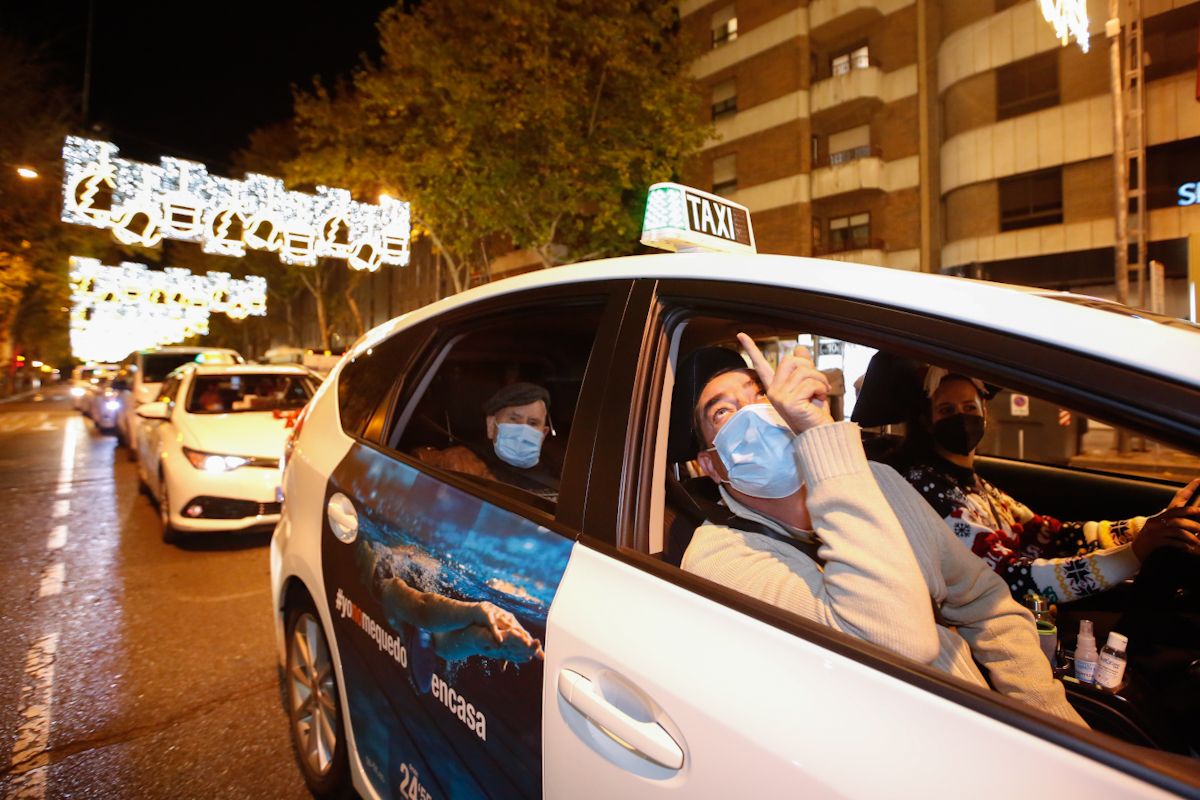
(365, 381)
(169, 390)
(225, 394)
(516, 361)
(1051, 504)
(156, 366)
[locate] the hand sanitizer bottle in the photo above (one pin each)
(1085, 653)
(1111, 669)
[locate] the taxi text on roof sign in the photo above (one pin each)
(684, 219)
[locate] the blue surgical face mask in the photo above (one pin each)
(755, 446)
(519, 445)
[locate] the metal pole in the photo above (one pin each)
(1120, 165)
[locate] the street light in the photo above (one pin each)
(28, 173)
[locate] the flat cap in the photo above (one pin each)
(516, 394)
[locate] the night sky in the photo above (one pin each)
(193, 79)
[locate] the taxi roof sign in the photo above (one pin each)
(684, 219)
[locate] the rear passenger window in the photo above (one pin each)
(496, 404)
(365, 381)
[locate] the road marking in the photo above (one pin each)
(52, 580)
(29, 757)
(64, 486)
(58, 538)
(61, 509)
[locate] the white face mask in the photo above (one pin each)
(755, 446)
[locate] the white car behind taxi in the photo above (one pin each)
(209, 449)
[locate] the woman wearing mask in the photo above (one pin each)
(1061, 561)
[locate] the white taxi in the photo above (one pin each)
(447, 632)
(209, 448)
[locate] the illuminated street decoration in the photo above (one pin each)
(116, 310)
(143, 203)
(1069, 18)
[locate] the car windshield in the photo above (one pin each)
(157, 366)
(224, 394)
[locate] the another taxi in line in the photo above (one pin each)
(209, 447)
(446, 632)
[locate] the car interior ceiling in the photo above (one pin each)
(1161, 608)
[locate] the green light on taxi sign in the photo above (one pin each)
(684, 219)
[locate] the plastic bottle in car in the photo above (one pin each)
(1085, 653)
(1111, 669)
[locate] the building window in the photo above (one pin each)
(857, 58)
(724, 174)
(1171, 43)
(724, 26)
(724, 99)
(850, 145)
(849, 233)
(1001, 5)
(1027, 85)
(1032, 199)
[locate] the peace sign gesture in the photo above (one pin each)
(797, 390)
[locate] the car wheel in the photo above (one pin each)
(169, 534)
(313, 706)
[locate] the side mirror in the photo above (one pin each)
(119, 385)
(154, 411)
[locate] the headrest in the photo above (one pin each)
(891, 391)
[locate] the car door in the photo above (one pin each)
(152, 432)
(440, 580)
(661, 683)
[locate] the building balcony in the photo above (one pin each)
(865, 251)
(860, 169)
(858, 86)
(829, 20)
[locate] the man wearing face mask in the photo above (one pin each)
(517, 421)
(1033, 553)
(816, 529)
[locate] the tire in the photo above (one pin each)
(169, 534)
(314, 706)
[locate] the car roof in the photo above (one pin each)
(1085, 325)
(185, 350)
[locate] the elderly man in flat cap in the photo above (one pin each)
(518, 421)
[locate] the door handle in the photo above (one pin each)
(647, 739)
(343, 519)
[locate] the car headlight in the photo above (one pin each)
(112, 405)
(77, 391)
(213, 462)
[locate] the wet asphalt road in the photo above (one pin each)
(128, 667)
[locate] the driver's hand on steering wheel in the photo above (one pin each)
(1177, 525)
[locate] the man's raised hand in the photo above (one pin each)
(797, 390)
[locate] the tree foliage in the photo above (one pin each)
(540, 120)
(34, 244)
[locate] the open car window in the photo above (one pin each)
(1052, 505)
(448, 425)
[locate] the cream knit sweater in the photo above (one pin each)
(886, 554)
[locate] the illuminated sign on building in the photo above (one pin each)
(116, 310)
(1069, 18)
(1189, 193)
(142, 204)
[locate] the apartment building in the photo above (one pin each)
(943, 135)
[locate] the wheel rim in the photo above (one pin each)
(312, 695)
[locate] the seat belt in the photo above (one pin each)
(732, 520)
